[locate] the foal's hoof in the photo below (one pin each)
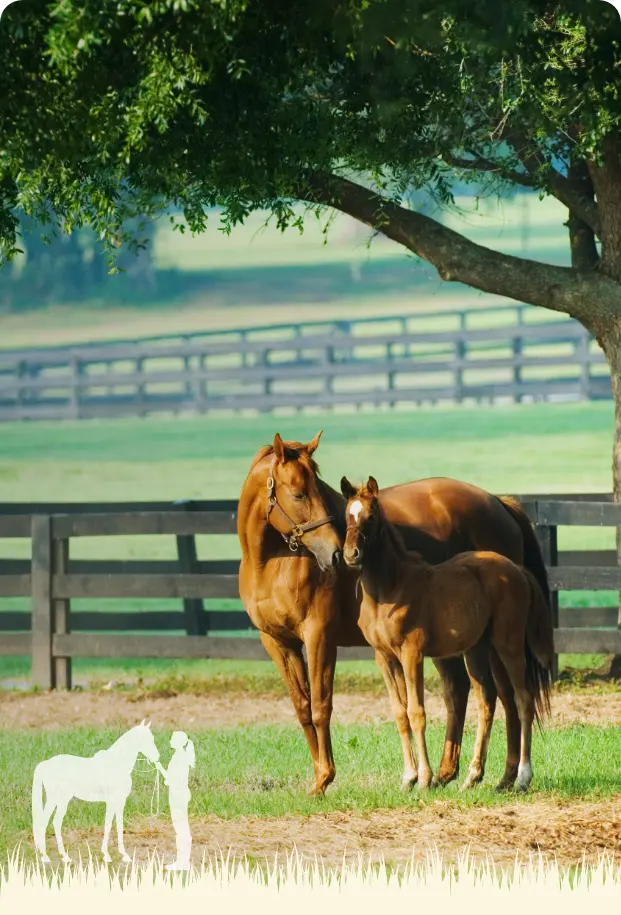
(45, 859)
(317, 791)
(126, 859)
(66, 859)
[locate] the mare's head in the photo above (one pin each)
(297, 506)
(143, 741)
(363, 519)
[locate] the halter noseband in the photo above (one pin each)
(294, 537)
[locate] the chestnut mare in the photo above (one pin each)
(291, 527)
(473, 604)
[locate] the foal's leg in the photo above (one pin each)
(514, 728)
(456, 686)
(477, 660)
(516, 669)
(321, 653)
(412, 660)
(395, 683)
(290, 662)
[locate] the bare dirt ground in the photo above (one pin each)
(563, 831)
(19, 711)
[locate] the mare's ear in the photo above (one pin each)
(347, 489)
(372, 487)
(279, 449)
(312, 446)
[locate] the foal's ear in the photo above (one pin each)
(312, 446)
(372, 487)
(347, 489)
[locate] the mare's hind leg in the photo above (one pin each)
(515, 665)
(290, 662)
(514, 728)
(61, 809)
(118, 813)
(395, 684)
(456, 686)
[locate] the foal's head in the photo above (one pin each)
(296, 505)
(363, 519)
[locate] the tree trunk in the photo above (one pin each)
(609, 338)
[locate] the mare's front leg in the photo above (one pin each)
(290, 662)
(456, 686)
(320, 644)
(397, 690)
(478, 662)
(412, 660)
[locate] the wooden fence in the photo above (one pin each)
(450, 356)
(53, 634)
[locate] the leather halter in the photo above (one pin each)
(294, 537)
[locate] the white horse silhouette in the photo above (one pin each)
(106, 776)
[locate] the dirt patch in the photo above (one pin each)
(567, 831)
(20, 711)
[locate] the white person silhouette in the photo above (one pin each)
(176, 777)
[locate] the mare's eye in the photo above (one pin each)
(299, 496)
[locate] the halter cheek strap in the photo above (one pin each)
(294, 537)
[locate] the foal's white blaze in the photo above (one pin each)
(354, 509)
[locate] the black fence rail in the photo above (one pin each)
(52, 633)
(472, 355)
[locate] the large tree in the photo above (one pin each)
(110, 108)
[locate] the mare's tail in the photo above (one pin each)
(533, 557)
(38, 822)
(539, 649)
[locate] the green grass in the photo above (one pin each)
(264, 771)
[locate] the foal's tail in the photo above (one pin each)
(539, 649)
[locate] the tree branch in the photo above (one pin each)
(457, 259)
(480, 164)
(567, 191)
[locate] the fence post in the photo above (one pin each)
(42, 618)
(193, 608)
(547, 537)
(61, 609)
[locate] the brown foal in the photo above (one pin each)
(291, 528)
(469, 605)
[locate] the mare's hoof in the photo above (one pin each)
(408, 784)
(126, 859)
